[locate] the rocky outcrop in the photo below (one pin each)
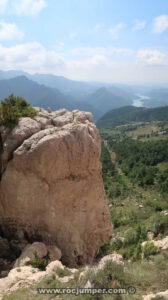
(114, 257)
(160, 295)
(26, 276)
(51, 189)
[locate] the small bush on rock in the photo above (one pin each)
(63, 272)
(40, 263)
(149, 249)
(13, 108)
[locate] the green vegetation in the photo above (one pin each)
(131, 114)
(40, 263)
(12, 108)
(135, 174)
(149, 249)
(63, 272)
(139, 160)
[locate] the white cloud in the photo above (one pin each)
(115, 30)
(61, 45)
(98, 27)
(3, 6)
(139, 25)
(33, 57)
(72, 35)
(25, 7)
(28, 7)
(10, 31)
(152, 57)
(160, 24)
(100, 68)
(107, 51)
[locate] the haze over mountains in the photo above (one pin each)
(41, 95)
(47, 90)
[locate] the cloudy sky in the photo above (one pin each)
(109, 40)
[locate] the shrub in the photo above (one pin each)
(63, 272)
(12, 108)
(137, 252)
(149, 249)
(161, 225)
(111, 276)
(40, 263)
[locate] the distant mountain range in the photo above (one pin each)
(157, 97)
(52, 91)
(131, 114)
(42, 96)
(61, 83)
(47, 90)
(103, 99)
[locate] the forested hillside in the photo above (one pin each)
(135, 173)
(131, 114)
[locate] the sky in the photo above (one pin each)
(119, 41)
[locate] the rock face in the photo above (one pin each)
(51, 189)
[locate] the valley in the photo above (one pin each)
(134, 160)
(135, 174)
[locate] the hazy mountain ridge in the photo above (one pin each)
(65, 85)
(104, 100)
(47, 90)
(42, 96)
(84, 96)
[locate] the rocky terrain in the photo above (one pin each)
(54, 216)
(27, 276)
(51, 187)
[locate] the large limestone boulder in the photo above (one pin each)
(52, 189)
(54, 253)
(28, 254)
(114, 257)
